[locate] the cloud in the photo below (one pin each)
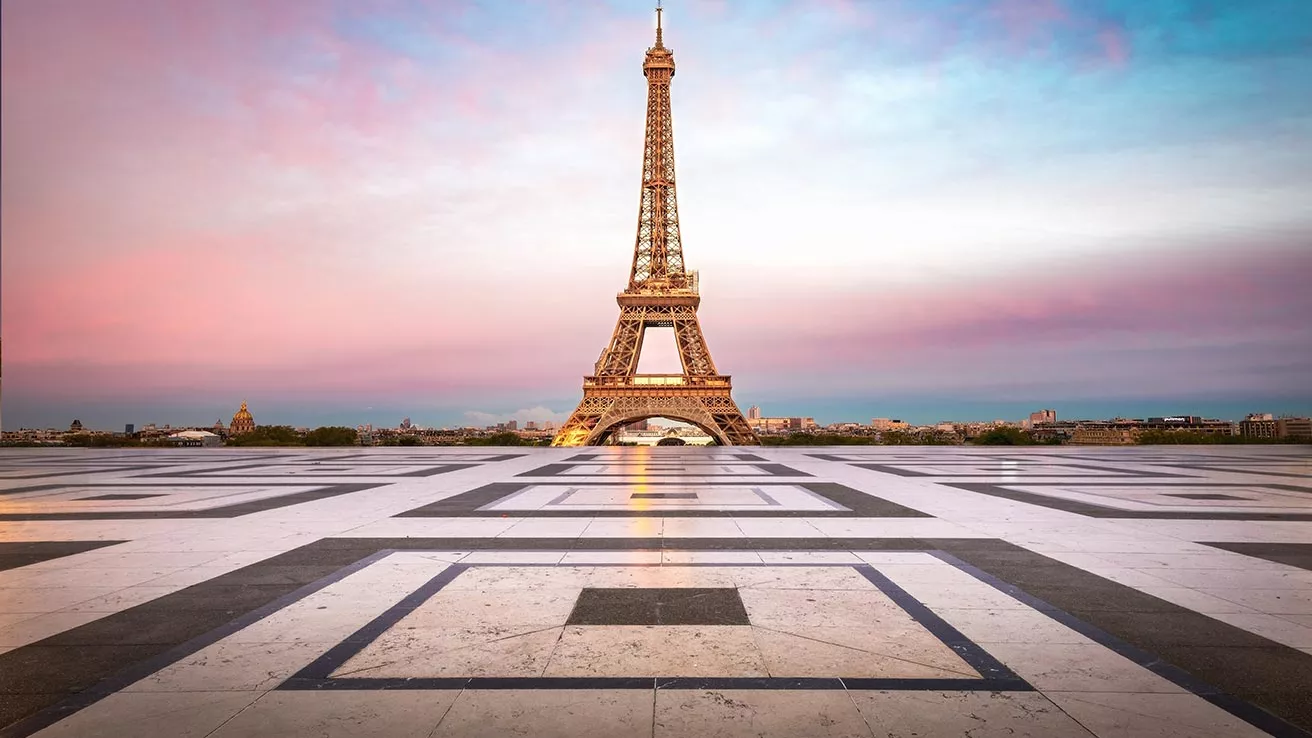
(536, 414)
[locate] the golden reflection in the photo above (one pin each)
(646, 526)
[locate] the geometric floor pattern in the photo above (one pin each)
(937, 591)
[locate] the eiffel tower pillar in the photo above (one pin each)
(661, 294)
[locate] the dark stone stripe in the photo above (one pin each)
(859, 504)
(49, 677)
(974, 656)
(95, 469)
(229, 511)
(896, 469)
(1291, 554)
(253, 469)
(22, 553)
(1229, 666)
(43, 683)
(652, 470)
(330, 661)
(1100, 511)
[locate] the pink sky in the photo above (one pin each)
(211, 201)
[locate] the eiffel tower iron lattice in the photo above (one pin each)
(661, 294)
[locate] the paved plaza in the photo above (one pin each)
(858, 591)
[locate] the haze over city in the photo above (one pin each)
(354, 212)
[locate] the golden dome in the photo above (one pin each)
(242, 422)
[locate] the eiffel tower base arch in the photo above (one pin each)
(603, 412)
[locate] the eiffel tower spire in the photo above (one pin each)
(658, 250)
(660, 294)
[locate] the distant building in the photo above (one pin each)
(887, 424)
(753, 413)
(194, 438)
(1043, 416)
(512, 425)
(531, 425)
(242, 422)
(128, 429)
(1104, 434)
(1294, 428)
(1189, 423)
(781, 424)
(1259, 425)
(75, 427)
(405, 423)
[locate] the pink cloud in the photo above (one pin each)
(1157, 302)
(1115, 45)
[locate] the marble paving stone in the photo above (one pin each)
(658, 606)
(787, 608)
(877, 653)
(649, 650)
(435, 652)
(1138, 715)
(967, 714)
(38, 627)
(195, 714)
(1077, 667)
(231, 667)
(1044, 578)
(372, 714)
(568, 713)
(733, 713)
(506, 607)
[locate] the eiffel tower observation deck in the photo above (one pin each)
(661, 293)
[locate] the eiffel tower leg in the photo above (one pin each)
(621, 357)
(693, 353)
(579, 428)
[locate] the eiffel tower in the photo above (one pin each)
(661, 294)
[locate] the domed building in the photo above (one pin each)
(242, 422)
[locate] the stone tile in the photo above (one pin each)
(688, 713)
(152, 714)
(231, 667)
(1121, 715)
(562, 713)
(658, 606)
(575, 558)
(381, 713)
(660, 576)
(1130, 577)
(1077, 667)
(38, 627)
(475, 650)
(1271, 601)
(1009, 626)
(48, 599)
(788, 608)
(672, 650)
(975, 714)
(506, 607)
(892, 653)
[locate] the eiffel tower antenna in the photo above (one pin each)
(659, 45)
(661, 294)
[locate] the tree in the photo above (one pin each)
(410, 441)
(1004, 437)
(333, 435)
(268, 435)
(499, 439)
(671, 441)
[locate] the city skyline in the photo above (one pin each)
(1002, 204)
